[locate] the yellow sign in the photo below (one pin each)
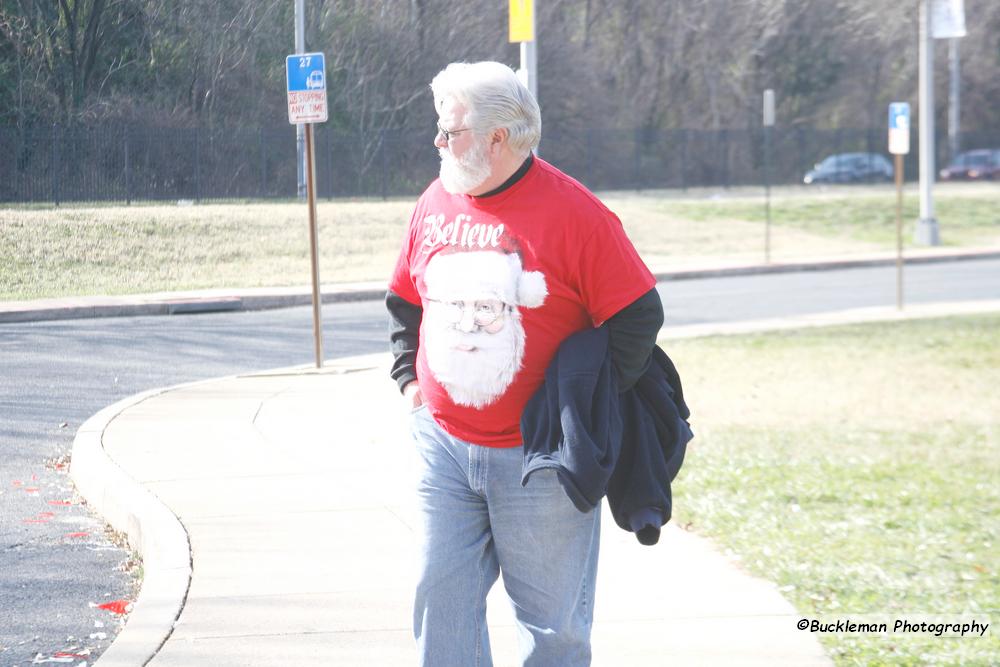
(522, 20)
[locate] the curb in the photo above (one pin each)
(852, 316)
(219, 300)
(152, 530)
(177, 303)
(820, 265)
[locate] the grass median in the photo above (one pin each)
(48, 251)
(969, 216)
(857, 468)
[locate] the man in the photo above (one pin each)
(504, 258)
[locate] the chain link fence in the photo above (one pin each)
(133, 163)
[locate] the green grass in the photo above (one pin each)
(48, 251)
(858, 468)
(126, 250)
(966, 220)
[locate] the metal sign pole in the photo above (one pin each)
(300, 156)
(314, 241)
(305, 75)
(767, 195)
(768, 125)
(899, 231)
(899, 145)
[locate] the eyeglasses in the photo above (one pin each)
(484, 313)
(448, 134)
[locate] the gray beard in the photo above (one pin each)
(459, 176)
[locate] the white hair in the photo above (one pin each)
(493, 97)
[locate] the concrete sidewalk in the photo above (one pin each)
(292, 493)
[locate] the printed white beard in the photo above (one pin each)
(460, 176)
(478, 377)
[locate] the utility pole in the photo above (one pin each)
(522, 29)
(927, 226)
(529, 63)
(768, 127)
(300, 130)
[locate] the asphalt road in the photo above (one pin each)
(788, 294)
(57, 563)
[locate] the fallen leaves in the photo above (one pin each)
(116, 607)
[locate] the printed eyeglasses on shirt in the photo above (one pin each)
(484, 312)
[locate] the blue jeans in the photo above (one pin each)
(478, 521)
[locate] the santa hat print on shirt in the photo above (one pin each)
(484, 274)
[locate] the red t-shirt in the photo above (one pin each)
(502, 281)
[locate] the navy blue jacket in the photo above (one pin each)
(627, 446)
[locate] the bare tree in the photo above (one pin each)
(656, 64)
(73, 44)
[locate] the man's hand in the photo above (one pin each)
(411, 394)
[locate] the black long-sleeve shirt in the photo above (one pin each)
(404, 332)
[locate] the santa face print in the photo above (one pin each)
(474, 362)
(472, 329)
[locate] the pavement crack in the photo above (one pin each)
(260, 406)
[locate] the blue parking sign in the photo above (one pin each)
(899, 116)
(306, 71)
(899, 128)
(305, 74)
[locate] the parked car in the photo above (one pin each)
(983, 164)
(850, 168)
